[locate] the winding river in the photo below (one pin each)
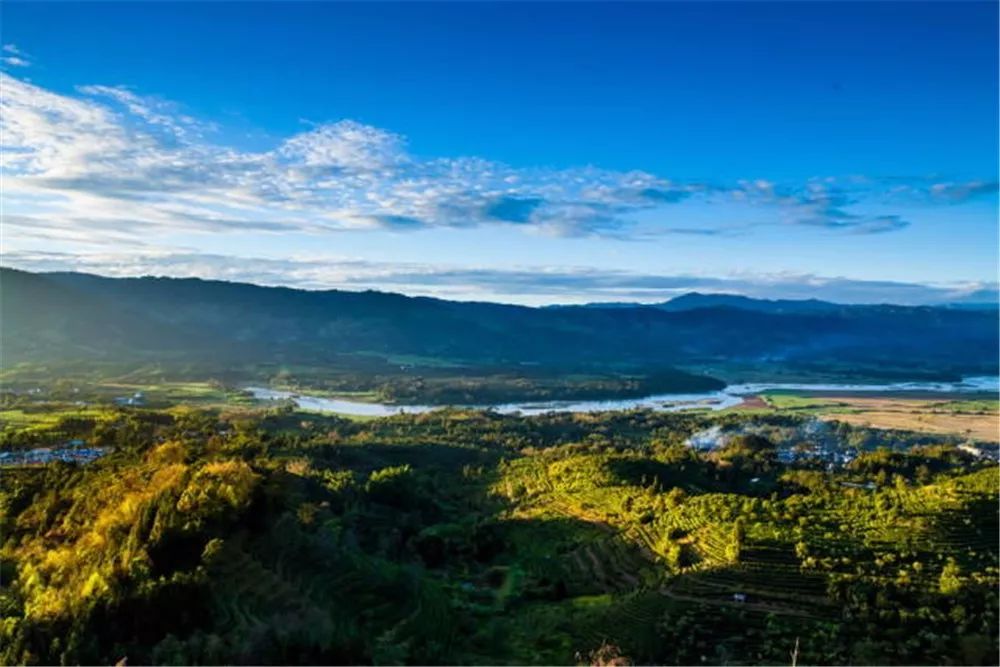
(731, 396)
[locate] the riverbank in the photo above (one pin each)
(728, 397)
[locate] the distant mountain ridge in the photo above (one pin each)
(697, 300)
(72, 316)
(979, 300)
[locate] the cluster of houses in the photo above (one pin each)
(74, 451)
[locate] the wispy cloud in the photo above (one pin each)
(13, 56)
(157, 114)
(959, 192)
(110, 159)
(526, 284)
(114, 155)
(822, 203)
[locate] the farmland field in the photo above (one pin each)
(978, 419)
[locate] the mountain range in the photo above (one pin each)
(77, 317)
(978, 300)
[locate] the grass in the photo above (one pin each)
(42, 417)
(198, 393)
(978, 406)
(781, 400)
(27, 419)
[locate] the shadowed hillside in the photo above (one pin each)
(76, 316)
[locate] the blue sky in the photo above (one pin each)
(518, 152)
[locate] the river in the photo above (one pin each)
(731, 396)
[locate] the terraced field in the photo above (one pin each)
(785, 563)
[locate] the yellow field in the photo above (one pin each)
(911, 414)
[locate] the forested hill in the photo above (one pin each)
(63, 316)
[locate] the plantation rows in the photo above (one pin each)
(614, 564)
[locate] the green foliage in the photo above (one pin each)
(471, 537)
(951, 578)
(395, 485)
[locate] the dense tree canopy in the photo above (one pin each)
(471, 537)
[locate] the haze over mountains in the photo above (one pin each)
(72, 316)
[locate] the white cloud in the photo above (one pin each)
(959, 192)
(526, 284)
(117, 156)
(17, 57)
(111, 157)
(157, 114)
(347, 146)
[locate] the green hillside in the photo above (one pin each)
(469, 537)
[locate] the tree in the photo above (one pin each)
(951, 578)
(735, 548)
